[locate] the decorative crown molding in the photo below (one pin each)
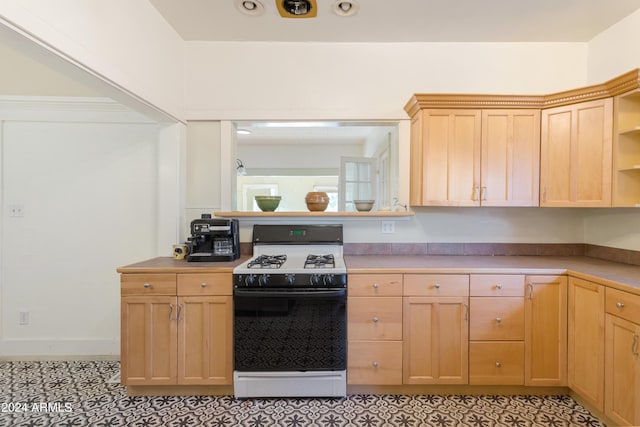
(616, 86)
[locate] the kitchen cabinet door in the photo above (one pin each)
(546, 331)
(148, 340)
(622, 371)
(585, 362)
(576, 155)
(205, 340)
(435, 344)
(510, 169)
(445, 158)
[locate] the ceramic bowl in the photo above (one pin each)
(268, 203)
(363, 205)
(317, 201)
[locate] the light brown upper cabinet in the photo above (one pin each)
(576, 155)
(445, 158)
(469, 157)
(556, 150)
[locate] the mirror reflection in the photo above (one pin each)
(350, 161)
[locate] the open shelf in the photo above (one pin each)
(626, 150)
(363, 215)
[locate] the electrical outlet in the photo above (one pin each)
(388, 227)
(16, 211)
(24, 318)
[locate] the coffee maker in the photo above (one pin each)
(214, 239)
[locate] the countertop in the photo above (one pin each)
(613, 274)
(616, 275)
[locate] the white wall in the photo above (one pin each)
(616, 50)
(252, 81)
(126, 43)
(92, 193)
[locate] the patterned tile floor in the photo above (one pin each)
(78, 393)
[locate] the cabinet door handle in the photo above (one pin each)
(466, 312)
(375, 319)
(498, 319)
(179, 311)
(170, 311)
(483, 193)
(544, 194)
(530, 288)
(619, 305)
(498, 364)
(634, 345)
(474, 193)
(376, 286)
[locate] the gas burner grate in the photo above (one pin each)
(267, 261)
(320, 261)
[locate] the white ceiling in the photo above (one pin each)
(402, 21)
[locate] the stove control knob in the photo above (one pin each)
(328, 279)
(264, 279)
(316, 280)
(290, 279)
(250, 280)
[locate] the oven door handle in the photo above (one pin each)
(308, 293)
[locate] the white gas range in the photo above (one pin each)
(290, 332)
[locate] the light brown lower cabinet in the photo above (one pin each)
(176, 333)
(622, 358)
(374, 316)
(545, 331)
(436, 340)
(149, 340)
(585, 360)
(496, 362)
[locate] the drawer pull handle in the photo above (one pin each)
(203, 285)
(376, 286)
(375, 364)
(498, 364)
(147, 285)
(498, 319)
(437, 286)
(619, 305)
(498, 286)
(375, 319)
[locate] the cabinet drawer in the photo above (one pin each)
(374, 362)
(205, 284)
(437, 285)
(496, 363)
(374, 318)
(371, 285)
(148, 284)
(496, 285)
(623, 304)
(499, 318)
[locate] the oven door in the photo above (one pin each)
(290, 330)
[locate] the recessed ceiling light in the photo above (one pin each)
(250, 7)
(345, 7)
(297, 8)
